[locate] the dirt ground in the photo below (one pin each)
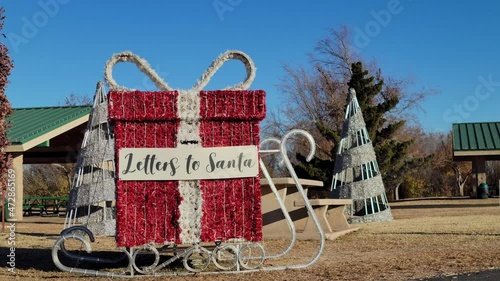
(427, 238)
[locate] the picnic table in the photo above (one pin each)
(43, 205)
(330, 212)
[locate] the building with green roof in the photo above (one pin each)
(478, 143)
(41, 135)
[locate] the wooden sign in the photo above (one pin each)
(143, 164)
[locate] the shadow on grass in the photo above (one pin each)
(444, 206)
(36, 234)
(40, 222)
(441, 233)
(38, 259)
(488, 275)
(41, 259)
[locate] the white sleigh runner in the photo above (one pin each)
(163, 220)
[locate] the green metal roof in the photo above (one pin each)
(476, 136)
(29, 123)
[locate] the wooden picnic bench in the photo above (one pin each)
(330, 212)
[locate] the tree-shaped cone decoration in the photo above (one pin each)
(93, 189)
(356, 172)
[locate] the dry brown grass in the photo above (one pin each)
(427, 238)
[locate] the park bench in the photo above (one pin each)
(33, 204)
(330, 212)
(29, 208)
(43, 204)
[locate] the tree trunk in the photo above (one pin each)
(461, 182)
(461, 188)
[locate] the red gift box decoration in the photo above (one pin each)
(187, 211)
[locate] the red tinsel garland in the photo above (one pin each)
(231, 207)
(148, 211)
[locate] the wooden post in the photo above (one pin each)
(479, 169)
(17, 165)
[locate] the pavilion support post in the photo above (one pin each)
(479, 169)
(17, 165)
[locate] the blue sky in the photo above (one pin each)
(60, 47)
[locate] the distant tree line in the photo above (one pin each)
(413, 163)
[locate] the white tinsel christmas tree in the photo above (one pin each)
(92, 195)
(356, 172)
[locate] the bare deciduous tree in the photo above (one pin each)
(74, 99)
(461, 170)
(315, 97)
(336, 53)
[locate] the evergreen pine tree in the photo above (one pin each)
(391, 153)
(319, 169)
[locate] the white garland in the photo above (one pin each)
(144, 67)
